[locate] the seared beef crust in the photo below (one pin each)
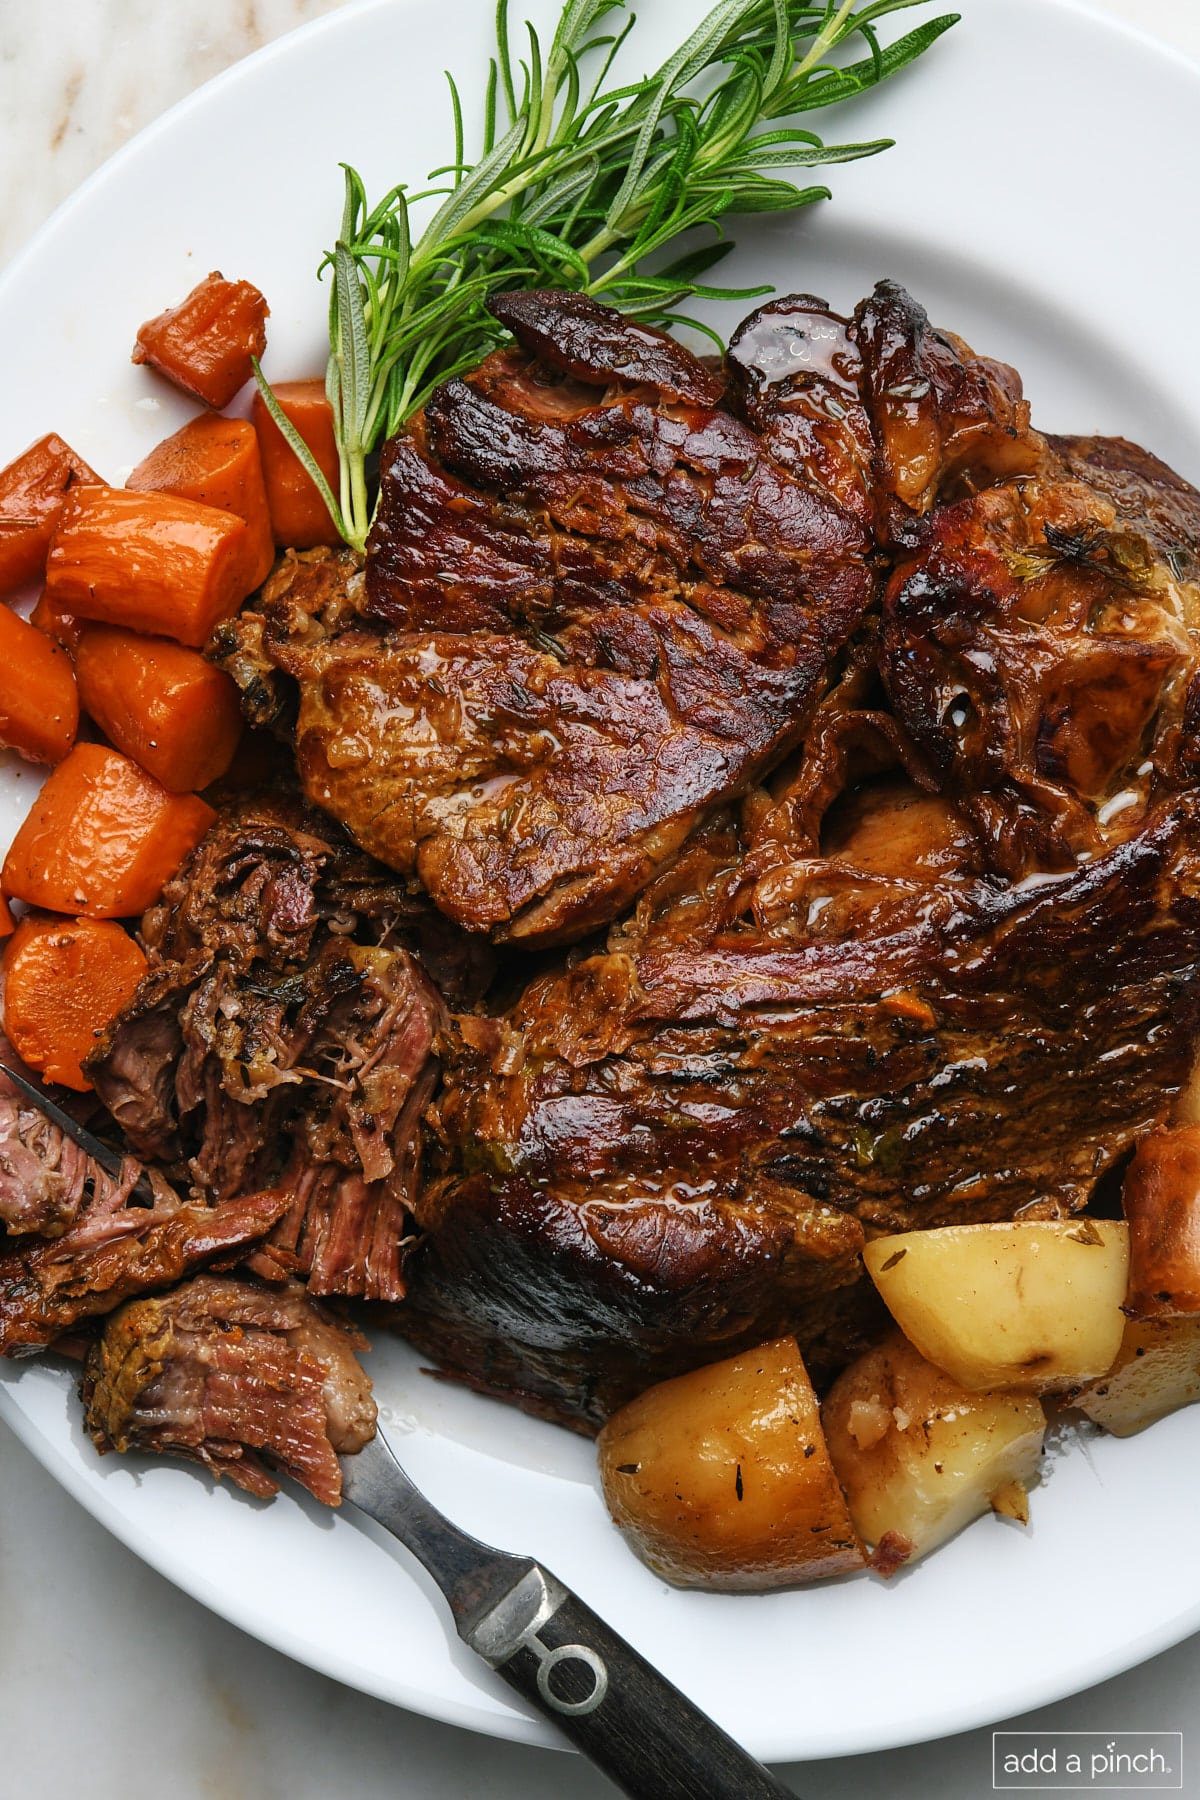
(944, 971)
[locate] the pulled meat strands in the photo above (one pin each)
(274, 877)
(268, 1047)
(44, 1175)
(226, 1371)
(114, 1250)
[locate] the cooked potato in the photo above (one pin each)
(1162, 1205)
(721, 1478)
(1032, 1305)
(1156, 1372)
(919, 1457)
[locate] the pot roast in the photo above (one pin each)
(746, 810)
(938, 967)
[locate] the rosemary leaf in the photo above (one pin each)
(583, 185)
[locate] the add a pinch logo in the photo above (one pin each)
(1127, 1761)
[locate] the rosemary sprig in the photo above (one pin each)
(582, 186)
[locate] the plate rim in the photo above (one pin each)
(71, 1475)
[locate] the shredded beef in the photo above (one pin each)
(45, 1177)
(114, 1250)
(226, 1371)
(283, 1037)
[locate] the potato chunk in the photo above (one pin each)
(1032, 1305)
(919, 1457)
(1162, 1205)
(1156, 1372)
(721, 1478)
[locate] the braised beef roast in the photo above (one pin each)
(848, 730)
(596, 603)
(942, 970)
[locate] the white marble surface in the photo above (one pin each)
(114, 1686)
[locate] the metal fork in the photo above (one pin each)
(558, 1654)
(555, 1651)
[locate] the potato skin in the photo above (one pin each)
(1032, 1305)
(919, 1456)
(1157, 1372)
(721, 1478)
(1162, 1205)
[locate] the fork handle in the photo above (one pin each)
(620, 1711)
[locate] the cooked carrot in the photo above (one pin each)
(39, 702)
(299, 517)
(32, 492)
(161, 704)
(216, 461)
(101, 838)
(204, 344)
(64, 980)
(61, 626)
(7, 923)
(151, 562)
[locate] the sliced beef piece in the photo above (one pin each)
(676, 1148)
(596, 604)
(1039, 649)
(226, 1371)
(578, 336)
(284, 1037)
(115, 1250)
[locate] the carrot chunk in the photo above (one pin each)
(7, 923)
(101, 838)
(61, 626)
(161, 704)
(216, 461)
(39, 702)
(64, 981)
(152, 562)
(33, 490)
(299, 517)
(204, 344)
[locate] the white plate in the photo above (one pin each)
(1041, 203)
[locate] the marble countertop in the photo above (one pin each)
(113, 1684)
